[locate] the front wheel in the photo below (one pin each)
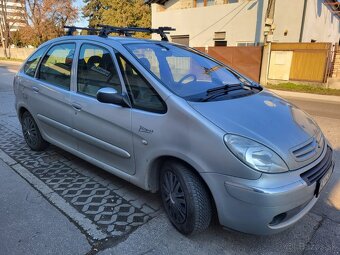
(185, 198)
(32, 133)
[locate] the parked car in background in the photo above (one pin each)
(168, 118)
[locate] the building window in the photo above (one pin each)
(180, 39)
(246, 44)
(210, 2)
(201, 3)
(220, 36)
(220, 43)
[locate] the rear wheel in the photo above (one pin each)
(185, 198)
(32, 133)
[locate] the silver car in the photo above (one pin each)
(168, 118)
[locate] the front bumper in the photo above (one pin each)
(270, 204)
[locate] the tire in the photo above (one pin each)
(32, 133)
(185, 198)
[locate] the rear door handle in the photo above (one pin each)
(76, 106)
(35, 89)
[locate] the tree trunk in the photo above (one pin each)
(5, 51)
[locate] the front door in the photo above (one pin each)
(103, 131)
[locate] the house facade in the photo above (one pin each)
(202, 23)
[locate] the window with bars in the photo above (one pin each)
(202, 3)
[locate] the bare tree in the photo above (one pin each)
(45, 19)
(7, 21)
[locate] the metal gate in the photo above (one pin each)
(246, 60)
(310, 61)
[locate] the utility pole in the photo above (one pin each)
(269, 28)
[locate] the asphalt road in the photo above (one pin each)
(10, 65)
(318, 107)
(35, 220)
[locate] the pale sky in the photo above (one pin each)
(81, 22)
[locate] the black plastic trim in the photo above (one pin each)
(317, 172)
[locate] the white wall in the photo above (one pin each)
(288, 17)
(320, 23)
(238, 20)
(244, 21)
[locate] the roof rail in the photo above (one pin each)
(105, 30)
(72, 29)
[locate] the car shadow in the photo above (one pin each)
(291, 241)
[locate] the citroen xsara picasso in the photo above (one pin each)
(168, 118)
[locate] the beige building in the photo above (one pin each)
(14, 13)
(201, 23)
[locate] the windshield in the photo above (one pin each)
(185, 72)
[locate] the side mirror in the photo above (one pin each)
(111, 96)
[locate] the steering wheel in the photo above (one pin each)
(186, 77)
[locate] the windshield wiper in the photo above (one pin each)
(223, 90)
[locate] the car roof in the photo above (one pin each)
(106, 40)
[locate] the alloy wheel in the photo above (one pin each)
(174, 197)
(30, 131)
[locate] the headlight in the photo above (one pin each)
(255, 155)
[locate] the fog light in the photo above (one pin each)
(278, 219)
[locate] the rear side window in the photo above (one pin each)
(143, 96)
(96, 70)
(57, 64)
(31, 64)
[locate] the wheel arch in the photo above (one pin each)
(155, 168)
(21, 111)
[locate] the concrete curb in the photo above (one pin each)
(9, 70)
(316, 97)
(18, 63)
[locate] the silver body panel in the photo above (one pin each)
(129, 142)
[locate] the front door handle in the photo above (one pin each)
(35, 89)
(76, 106)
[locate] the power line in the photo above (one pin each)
(229, 20)
(245, 3)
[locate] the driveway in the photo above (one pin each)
(55, 203)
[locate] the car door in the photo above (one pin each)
(48, 95)
(103, 131)
(149, 122)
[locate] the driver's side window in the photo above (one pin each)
(142, 95)
(96, 70)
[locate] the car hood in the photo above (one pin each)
(270, 120)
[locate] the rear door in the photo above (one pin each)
(103, 131)
(48, 95)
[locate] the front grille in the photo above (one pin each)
(309, 149)
(318, 171)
